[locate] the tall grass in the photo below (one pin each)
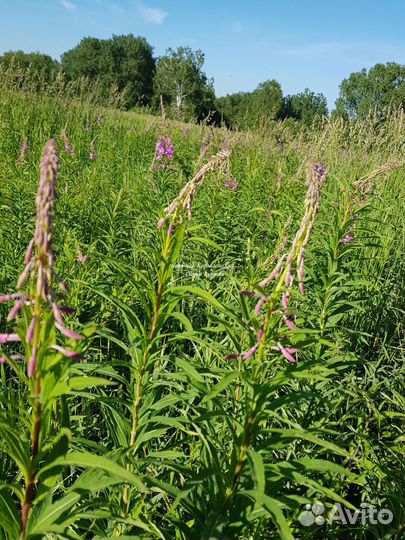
(221, 388)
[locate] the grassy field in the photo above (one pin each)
(193, 412)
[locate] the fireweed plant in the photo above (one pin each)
(35, 437)
(39, 318)
(172, 227)
(245, 399)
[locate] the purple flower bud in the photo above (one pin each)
(2, 360)
(161, 223)
(348, 238)
(259, 306)
(92, 156)
(30, 330)
(250, 352)
(30, 249)
(24, 275)
(232, 356)
(68, 354)
(67, 332)
(248, 293)
(289, 323)
(33, 362)
(57, 314)
(7, 338)
(288, 278)
(287, 352)
(15, 310)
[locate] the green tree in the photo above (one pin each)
(183, 84)
(266, 103)
(40, 66)
(305, 106)
(363, 91)
(122, 62)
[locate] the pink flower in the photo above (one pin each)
(161, 223)
(65, 352)
(7, 338)
(30, 330)
(259, 306)
(33, 362)
(15, 310)
(251, 352)
(287, 352)
(289, 323)
(67, 332)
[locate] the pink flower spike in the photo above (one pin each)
(68, 354)
(3, 360)
(248, 293)
(260, 334)
(33, 362)
(285, 300)
(15, 310)
(68, 333)
(250, 352)
(161, 223)
(7, 338)
(30, 330)
(5, 298)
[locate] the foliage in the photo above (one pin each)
(305, 106)
(381, 86)
(186, 418)
(122, 62)
(40, 66)
(183, 84)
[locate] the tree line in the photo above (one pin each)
(126, 64)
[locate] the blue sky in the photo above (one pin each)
(300, 43)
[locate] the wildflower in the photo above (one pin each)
(183, 202)
(39, 260)
(7, 338)
(348, 238)
(286, 267)
(233, 185)
(287, 352)
(164, 151)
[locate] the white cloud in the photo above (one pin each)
(68, 5)
(153, 15)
